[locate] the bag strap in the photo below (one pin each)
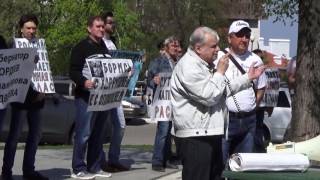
(235, 62)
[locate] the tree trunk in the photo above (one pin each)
(306, 103)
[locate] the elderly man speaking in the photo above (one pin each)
(199, 92)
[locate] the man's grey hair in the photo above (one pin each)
(169, 40)
(198, 36)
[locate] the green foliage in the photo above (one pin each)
(11, 12)
(160, 19)
(67, 29)
(140, 24)
(128, 32)
(282, 9)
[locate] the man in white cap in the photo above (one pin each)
(242, 105)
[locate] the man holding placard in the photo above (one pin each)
(159, 74)
(87, 137)
(33, 104)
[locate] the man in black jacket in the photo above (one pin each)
(32, 105)
(86, 137)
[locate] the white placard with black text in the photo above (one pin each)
(42, 77)
(111, 82)
(161, 109)
(270, 98)
(16, 67)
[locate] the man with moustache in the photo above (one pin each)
(242, 106)
(198, 95)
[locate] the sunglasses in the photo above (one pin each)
(242, 34)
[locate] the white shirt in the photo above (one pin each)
(110, 45)
(245, 98)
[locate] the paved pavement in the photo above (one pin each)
(56, 163)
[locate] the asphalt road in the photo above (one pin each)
(139, 132)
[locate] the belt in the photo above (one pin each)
(242, 114)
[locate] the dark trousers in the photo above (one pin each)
(2, 116)
(258, 138)
(201, 157)
(33, 138)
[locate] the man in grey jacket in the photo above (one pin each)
(199, 93)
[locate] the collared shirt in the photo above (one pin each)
(198, 97)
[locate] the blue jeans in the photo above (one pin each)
(34, 135)
(241, 134)
(95, 142)
(89, 130)
(162, 143)
(118, 126)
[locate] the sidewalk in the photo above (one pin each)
(56, 164)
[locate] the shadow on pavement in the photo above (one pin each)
(56, 173)
(135, 122)
(129, 163)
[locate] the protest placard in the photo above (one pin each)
(42, 77)
(136, 58)
(161, 109)
(111, 82)
(148, 101)
(270, 98)
(16, 67)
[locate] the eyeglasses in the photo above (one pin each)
(241, 34)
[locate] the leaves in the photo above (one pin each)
(282, 9)
(140, 24)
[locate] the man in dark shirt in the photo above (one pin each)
(86, 137)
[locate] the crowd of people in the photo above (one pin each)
(215, 95)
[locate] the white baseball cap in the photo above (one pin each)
(236, 26)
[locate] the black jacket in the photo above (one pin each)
(80, 52)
